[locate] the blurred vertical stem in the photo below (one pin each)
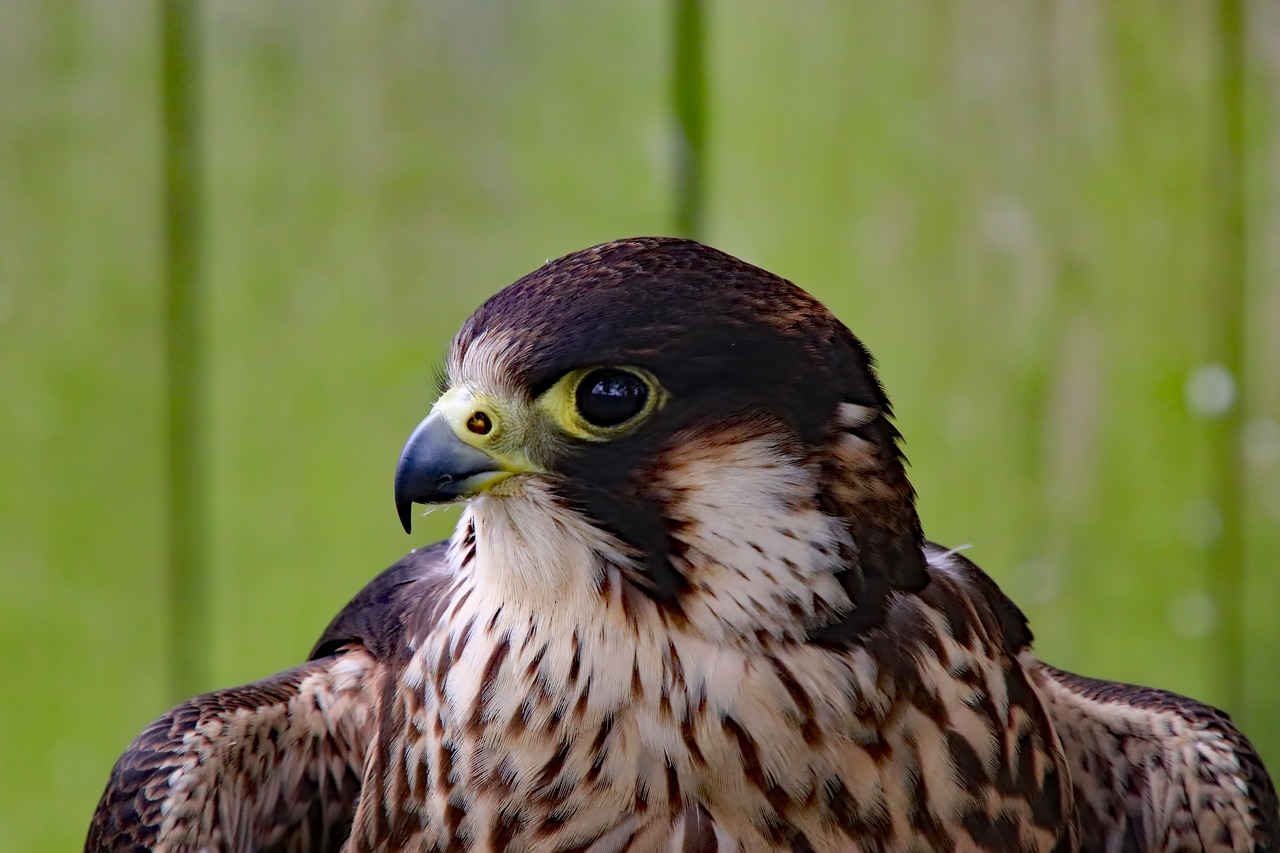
(689, 93)
(1227, 314)
(187, 635)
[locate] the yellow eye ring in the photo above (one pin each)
(604, 402)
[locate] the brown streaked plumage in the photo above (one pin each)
(1157, 771)
(276, 764)
(689, 606)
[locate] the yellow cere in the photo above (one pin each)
(504, 429)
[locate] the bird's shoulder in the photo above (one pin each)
(948, 673)
(1158, 770)
(276, 762)
(396, 604)
(960, 607)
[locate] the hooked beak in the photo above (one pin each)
(436, 466)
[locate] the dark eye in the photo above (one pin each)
(609, 397)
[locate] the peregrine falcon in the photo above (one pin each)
(689, 606)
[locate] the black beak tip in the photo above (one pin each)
(405, 510)
(435, 467)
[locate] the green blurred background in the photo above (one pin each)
(235, 238)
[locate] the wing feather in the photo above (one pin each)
(276, 764)
(1157, 771)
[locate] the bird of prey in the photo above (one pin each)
(689, 606)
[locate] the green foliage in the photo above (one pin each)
(1017, 206)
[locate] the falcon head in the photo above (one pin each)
(663, 424)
